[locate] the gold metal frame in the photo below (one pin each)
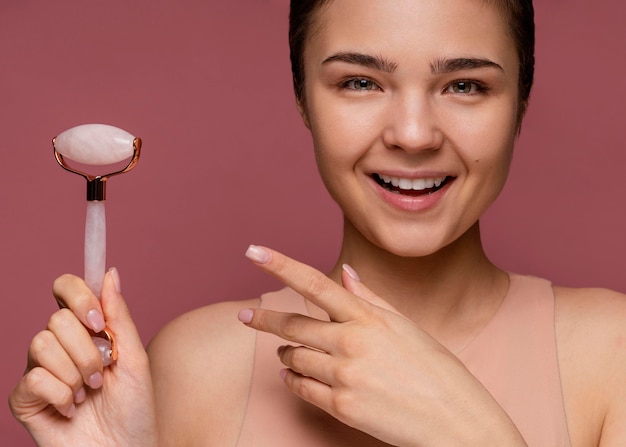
(111, 338)
(96, 184)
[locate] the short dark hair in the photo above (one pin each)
(519, 14)
(301, 15)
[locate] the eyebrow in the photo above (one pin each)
(365, 60)
(441, 66)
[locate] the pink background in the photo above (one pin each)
(226, 162)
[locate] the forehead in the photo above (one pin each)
(412, 29)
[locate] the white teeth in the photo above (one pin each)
(405, 183)
(419, 184)
(414, 184)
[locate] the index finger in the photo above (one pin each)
(71, 292)
(340, 304)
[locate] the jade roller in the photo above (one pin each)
(97, 145)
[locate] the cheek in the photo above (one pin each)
(341, 136)
(332, 156)
(484, 142)
(491, 165)
(486, 137)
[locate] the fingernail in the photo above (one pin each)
(95, 380)
(95, 320)
(351, 272)
(80, 396)
(245, 315)
(283, 373)
(258, 254)
(116, 279)
(71, 411)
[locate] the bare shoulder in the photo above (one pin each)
(591, 340)
(592, 316)
(201, 366)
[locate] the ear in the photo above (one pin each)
(303, 113)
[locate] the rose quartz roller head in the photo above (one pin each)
(96, 145)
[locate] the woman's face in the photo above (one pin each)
(412, 106)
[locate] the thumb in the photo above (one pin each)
(352, 283)
(118, 319)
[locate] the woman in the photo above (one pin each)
(413, 107)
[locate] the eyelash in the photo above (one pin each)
(346, 84)
(476, 87)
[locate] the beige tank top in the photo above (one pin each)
(514, 357)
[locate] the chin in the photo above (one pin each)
(408, 241)
(413, 248)
(413, 253)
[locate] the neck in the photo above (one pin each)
(455, 287)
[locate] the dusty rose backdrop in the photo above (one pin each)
(226, 161)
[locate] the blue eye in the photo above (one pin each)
(360, 84)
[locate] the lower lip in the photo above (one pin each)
(411, 203)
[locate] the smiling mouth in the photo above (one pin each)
(411, 187)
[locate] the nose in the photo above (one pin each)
(411, 124)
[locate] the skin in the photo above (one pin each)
(413, 124)
(427, 285)
(66, 397)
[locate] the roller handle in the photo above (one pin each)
(95, 264)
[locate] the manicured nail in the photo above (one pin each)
(95, 320)
(95, 380)
(80, 396)
(258, 254)
(116, 279)
(351, 272)
(283, 373)
(71, 411)
(245, 315)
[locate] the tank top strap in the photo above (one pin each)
(515, 358)
(271, 406)
(284, 300)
